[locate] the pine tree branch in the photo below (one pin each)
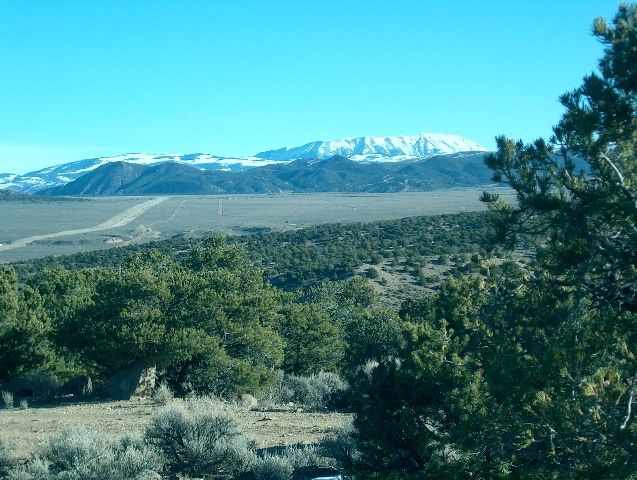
(630, 407)
(622, 182)
(614, 167)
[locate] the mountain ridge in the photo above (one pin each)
(360, 149)
(335, 174)
(370, 148)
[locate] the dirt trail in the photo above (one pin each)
(172, 217)
(116, 221)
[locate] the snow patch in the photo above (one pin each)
(379, 149)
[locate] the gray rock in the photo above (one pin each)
(137, 381)
(248, 400)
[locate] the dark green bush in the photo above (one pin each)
(371, 273)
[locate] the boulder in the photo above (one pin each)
(137, 381)
(80, 386)
(248, 400)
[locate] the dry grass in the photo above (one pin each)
(198, 215)
(25, 430)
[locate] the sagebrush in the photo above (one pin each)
(79, 454)
(198, 439)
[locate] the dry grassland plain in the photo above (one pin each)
(197, 216)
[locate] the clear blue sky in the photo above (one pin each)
(83, 79)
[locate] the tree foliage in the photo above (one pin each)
(208, 320)
(531, 372)
(25, 328)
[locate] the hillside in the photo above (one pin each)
(9, 195)
(336, 174)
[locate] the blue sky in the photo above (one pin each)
(85, 79)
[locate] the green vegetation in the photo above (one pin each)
(193, 439)
(516, 365)
(332, 252)
(207, 319)
(530, 373)
(301, 258)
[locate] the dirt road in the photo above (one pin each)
(116, 221)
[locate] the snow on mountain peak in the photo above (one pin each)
(67, 172)
(384, 149)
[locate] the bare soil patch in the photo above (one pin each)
(25, 430)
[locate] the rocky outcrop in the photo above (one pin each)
(137, 381)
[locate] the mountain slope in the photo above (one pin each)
(67, 172)
(336, 174)
(362, 149)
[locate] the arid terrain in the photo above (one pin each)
(26, 429)
(119, 220)
(34, 230)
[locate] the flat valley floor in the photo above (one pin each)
(32, 230)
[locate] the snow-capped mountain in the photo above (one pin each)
(362, 149)
(67, 172)
(334, 174)
(7, 177)
(378, 149)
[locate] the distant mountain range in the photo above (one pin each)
(265, 171)
(67, 172)
(335, 174)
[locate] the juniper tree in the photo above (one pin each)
(532, 374)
